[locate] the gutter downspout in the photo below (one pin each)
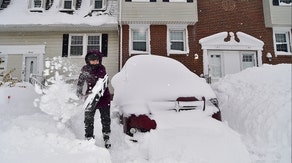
(121, 35)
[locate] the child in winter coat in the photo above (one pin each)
(90, 73)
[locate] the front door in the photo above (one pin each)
(30, 67)
(248, 60)
(215, 66)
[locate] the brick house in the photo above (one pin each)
(210, 37)
(159, 27)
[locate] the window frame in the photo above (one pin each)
(143, 28)
(84, 43)
(32, 6)
(182, 28)
(62, 5)
(287, 32)
(284, 4)
(103, 8)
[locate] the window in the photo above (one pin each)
(139, 39)
(140, 0)
(282, 40)
(93, 42)
(282, 2)
(79, 44)
(76, 46)
(285, 2)
(37, 4)
(68, 4)
(177, 40)
(98, 4)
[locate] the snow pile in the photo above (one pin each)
(148, 78)
(257, 103)
(151, 84)
(28, 135)
(59, 98)
(53, 15)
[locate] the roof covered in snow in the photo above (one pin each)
(18, 15)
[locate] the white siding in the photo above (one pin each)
(277, 15)
(159, 12)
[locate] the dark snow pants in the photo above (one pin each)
(89, 121)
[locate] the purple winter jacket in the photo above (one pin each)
(90, 74)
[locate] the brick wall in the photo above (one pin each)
(236, 15)
(158, 43)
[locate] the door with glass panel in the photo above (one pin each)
(247, 60)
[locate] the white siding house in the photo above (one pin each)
(33, 30)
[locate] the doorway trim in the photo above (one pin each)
(243, 42)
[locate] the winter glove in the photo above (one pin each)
(79, 95)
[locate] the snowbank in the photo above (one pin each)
(28, 135)
(257, 103)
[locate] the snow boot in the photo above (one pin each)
(90, 138)
(106, 139)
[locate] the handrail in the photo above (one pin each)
(35, 79)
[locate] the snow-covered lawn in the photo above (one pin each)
(256, 103)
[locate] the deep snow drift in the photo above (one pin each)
(256, 103)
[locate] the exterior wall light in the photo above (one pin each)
(269, 56)
(196, 56)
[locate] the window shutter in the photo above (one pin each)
(128, 0)
(48, 4)
(152, 0)
(104, 44)
(276, 2)
(65, 45)
(78, 4)
(189, 1)
(165, 1)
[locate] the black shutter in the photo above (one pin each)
(152, 0)
(128, 0)
(189, 0)
(65, 45)
(276, 2)
(104, 44)
(165, 1)
(78, 4)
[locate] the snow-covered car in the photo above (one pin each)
(149, 83)
(160, 95)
